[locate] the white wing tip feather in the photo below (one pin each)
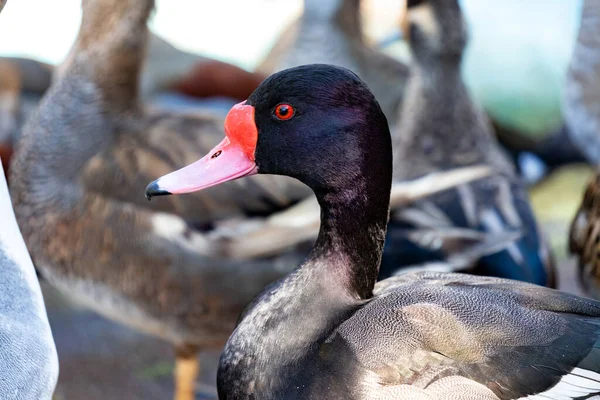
(578, 383)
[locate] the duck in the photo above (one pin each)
(329, 329)
(581, 88)
(339, 21)
(76, 178)
(584, 236)
(29, 363)
(442, 128)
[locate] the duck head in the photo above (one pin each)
(316, 123)
(435, 29)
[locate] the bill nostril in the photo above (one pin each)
(217, 154)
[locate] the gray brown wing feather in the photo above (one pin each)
(513, 338)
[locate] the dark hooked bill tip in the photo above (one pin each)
(153, 190)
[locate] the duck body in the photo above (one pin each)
(328, 330)
(422, 336)
(443, 129)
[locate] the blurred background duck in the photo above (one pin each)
(441, 129)
(330, 32)
(78, 178)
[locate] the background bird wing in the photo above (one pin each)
(467, 217)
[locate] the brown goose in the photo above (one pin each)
(77, 179)
(327, 330)
(330, 31)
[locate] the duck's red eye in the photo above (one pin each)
(284, 111)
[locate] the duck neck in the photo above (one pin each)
(110, 48)
(282, 331)
(351, 238)
(437, 73)
(432, 86)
